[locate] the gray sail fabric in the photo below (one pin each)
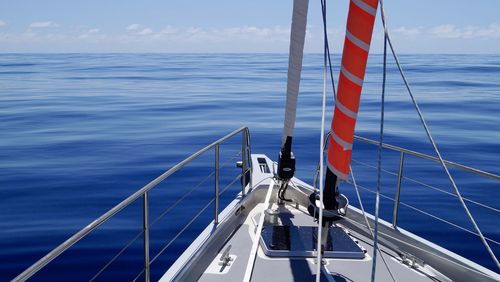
(297, 38)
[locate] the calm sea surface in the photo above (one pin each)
(81, 132)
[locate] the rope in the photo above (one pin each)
(431, 140)
(379, 159)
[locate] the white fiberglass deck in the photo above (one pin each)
(304, 269)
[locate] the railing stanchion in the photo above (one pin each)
(249, 157)
(145, 214)
(244, 161)
(250, 169)
(398, 189)
(216, 196)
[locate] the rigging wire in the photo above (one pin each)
(366, 221)
(379, 158)
(327, 49)
(321, 153)
(330, 66)
(431, 140)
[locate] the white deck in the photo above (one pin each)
(284, 269)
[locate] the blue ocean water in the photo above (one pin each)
(81, 132)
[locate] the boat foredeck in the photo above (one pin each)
(304, 269)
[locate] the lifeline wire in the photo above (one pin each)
(428, 186)
(431, 140)
(428, 214)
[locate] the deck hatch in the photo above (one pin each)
(300, 241)
(264, 168)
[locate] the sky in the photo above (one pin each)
(255, 26)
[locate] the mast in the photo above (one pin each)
(359, 29)
(286, 164)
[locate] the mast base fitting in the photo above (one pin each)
(328, 215)
(286, 166)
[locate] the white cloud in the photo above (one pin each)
(139, 38)
(2, 23)
(445, 31)
(133, 27)
(450, 31)
(168, 30)
(493, 31)
(414, 31)
(245, 33)
(138, 29)
(145, 31)
(249, 32)
(195, 34)
(445, 38)
(43, 24)
(89, 33)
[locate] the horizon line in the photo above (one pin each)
(230, 53)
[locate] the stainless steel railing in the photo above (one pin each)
(143, 192)
(428, 157)
(400, 174)
(402, 153)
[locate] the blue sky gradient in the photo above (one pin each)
(422, 26)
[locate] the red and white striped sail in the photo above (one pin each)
(359, 31)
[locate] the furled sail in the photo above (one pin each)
(286, 166)
(358, 36)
